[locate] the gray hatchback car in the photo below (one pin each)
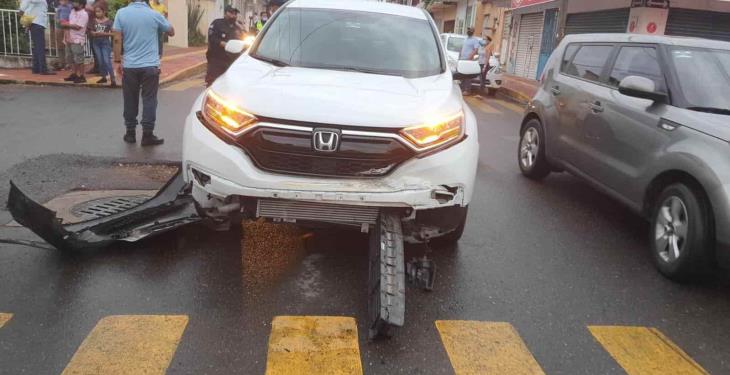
(645, 119)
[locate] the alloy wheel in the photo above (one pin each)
(529, 148)
(670, 232)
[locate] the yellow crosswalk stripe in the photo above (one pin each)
(184, 85)
(4, 318)
(646, 351)
(129, 344)
(481, 105)
(313, 345)
(486, 348)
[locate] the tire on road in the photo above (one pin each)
(531, 151)
(681, 234)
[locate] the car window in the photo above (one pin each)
(443, 40)
(704, 76)
(568, 55)
(638, 61)
(353, 41)
(589, 61)
(455, 43)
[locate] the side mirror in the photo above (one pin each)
(641, 87)
(235, 46)
(467, 69)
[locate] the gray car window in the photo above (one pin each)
(638, 61)
(588, 63)
(568, 55)
(704, 76)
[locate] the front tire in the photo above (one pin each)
(531, 151)
(681, 233)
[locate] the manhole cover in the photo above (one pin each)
(106, 206)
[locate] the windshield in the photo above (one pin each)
(350, 40)
(455, 43)
(704, 76)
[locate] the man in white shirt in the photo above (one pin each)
(38, 9)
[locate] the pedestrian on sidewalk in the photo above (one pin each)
(140, 69)
(102, 43)
(63, 12)
(90, 6)
(219, 33)
(38, 11)
(468, 52)
(160, 7)
(262, 21)
(77, 23)
(485, 48)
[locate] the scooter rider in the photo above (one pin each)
(221, 31)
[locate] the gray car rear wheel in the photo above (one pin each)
(681, 235)
(531, 151)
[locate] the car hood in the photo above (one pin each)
(711, 124)
(337, 97)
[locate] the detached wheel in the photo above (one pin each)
(681, 234)
(531, 153)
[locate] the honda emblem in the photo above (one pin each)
(325, 140)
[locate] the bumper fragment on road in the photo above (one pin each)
(171, 208)
(129, 344)
(486, 348)
(313, 345)
(646, 351)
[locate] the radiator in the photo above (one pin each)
(291, 211)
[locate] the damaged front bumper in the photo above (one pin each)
(170, 208)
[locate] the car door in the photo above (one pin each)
(572, 88)
(623, 133)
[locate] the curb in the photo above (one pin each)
(185, 73)
(182, 74)
(514, 95)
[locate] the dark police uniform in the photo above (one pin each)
(218, 59)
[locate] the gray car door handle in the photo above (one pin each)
(555, 90)
(596, 107)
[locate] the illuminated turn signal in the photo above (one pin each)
(226, 115)
(436, 133)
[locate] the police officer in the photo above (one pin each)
(221, 31)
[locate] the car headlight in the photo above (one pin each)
(226, 115)
(436, 133)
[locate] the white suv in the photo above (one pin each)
(340, 110)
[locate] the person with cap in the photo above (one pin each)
(219, 33)
(468, 51)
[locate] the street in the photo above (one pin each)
(546, 268)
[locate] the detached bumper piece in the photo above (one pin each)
(386, 287)
(171, 208)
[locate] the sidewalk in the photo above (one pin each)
(517, 88)
(177, 63)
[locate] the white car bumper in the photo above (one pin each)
(417, 183)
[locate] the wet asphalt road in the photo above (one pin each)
(550, 258)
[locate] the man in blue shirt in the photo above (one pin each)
(468, 51)
(140, 26)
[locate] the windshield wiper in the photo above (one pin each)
(715, 110)
(271, 60)
(348, 69)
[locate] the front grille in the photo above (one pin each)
(290, 151)
(289, 210)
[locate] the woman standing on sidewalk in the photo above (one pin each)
(102, 44)
(38, 11)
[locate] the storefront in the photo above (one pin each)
(698, 23)
(535, 26)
